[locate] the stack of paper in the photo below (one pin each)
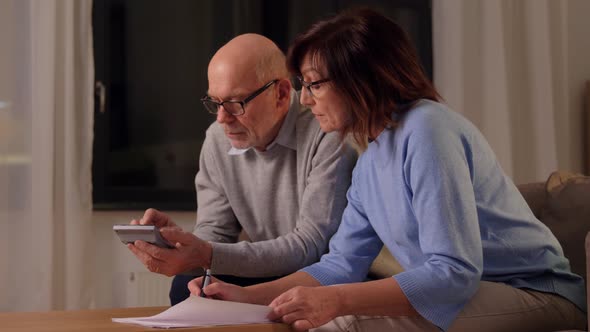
(198, 311)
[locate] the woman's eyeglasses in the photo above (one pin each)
(316, 88)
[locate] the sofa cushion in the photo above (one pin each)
(567, 214)
(535, 196)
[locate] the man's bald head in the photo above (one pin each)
(250, 67)
(249, 56)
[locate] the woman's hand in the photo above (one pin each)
(307, 307)
(220, 290)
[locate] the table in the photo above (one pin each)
(100, 320)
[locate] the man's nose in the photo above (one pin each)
(224, 116)
(305, 97)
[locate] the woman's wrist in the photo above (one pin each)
(343, 303)
(256, 294)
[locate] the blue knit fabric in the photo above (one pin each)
(433, 192)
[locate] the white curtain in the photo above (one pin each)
(46, 114)
(507, 66)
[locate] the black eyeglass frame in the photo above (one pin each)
(308, 85)
(242, 103)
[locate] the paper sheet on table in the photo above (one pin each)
(198, 311)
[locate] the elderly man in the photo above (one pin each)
(265, 168)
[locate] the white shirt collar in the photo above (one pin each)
(286, 136)
(236, 152)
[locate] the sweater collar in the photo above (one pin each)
(286, 136)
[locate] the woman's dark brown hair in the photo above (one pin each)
(370, 62)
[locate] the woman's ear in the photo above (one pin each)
(284, 92)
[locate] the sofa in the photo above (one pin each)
(562, 203)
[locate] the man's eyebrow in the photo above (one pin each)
(234, 96)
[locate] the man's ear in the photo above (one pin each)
(284, 92)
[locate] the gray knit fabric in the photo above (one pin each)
(289, 199)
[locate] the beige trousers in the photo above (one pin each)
(495, 307)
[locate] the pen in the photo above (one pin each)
(206, 282)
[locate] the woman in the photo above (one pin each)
(429, 188)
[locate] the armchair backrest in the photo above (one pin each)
(561, 203)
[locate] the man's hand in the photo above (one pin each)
(306, 307)
(156, 218)
(189, 253)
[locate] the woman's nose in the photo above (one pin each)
(305, 97)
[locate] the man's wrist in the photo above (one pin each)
(208, 256)
(200, 256)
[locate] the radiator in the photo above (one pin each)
(147, 289)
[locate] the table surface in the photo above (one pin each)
(100, 320)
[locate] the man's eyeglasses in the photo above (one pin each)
(314, 88)
(234, 107)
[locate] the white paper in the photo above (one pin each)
(198, 311)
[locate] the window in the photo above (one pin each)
(151, 62)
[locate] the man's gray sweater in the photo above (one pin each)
(288, 199)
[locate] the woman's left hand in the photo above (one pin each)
(307, 307)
